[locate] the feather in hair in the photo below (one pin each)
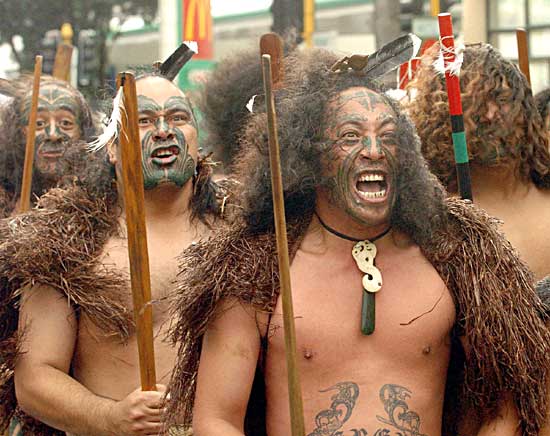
(175, 62)
(392, 55)
(110, 132)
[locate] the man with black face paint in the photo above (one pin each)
(449, 296)
(78, 369)
(63, 119)
(507, 141)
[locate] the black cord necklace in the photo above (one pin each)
(350, 238)
(364, 253)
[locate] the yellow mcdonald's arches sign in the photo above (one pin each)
(197, 21)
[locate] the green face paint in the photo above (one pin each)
(57, 126)
(362, 159)
(166, 156)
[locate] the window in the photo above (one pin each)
(533, 15)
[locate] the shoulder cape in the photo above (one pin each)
(497, 311)
(56, 244)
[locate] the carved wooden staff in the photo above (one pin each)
(25, 199)
(294, 389)
(62, 62)
(455, 107)
(132, 178)
(523, 53)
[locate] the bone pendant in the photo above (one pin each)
(364, 253)
(372, 280)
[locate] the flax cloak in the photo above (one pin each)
(506, 331)
(58, 244)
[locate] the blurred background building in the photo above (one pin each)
(348, 26)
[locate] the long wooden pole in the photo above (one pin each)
(62, 63)
(455, 107)
(134, 199)
(309, 22)
(25, 199)
(523, 53)
(294, 390)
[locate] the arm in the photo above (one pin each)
(227, 366)
(506, 423)
(46, 391)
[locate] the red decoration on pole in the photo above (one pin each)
(447, 42)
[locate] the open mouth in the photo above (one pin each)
(165, 155)
(51, 152)
(372, 186)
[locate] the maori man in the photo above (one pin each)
(63, 118)
(457, 328)
(542, 100)
(507, 141)
(77, 362)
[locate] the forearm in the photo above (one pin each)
(506, 423)
(210, 426)
(58, 400)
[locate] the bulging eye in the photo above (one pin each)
(350, 134)
(67, 124)
(179, 118)
(40, 124)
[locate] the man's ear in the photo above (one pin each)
(112, 149)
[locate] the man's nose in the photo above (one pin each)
(163, 131)
(372, 149)
(52, 132)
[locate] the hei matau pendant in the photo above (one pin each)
(364, 253)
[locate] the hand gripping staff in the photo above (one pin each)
(25, 200)
(271, 43)
(132, 178)
(455, 106)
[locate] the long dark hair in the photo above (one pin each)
(301, 109)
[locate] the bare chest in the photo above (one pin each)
(414, 312)
(163, 267)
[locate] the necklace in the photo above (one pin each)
(364, 254)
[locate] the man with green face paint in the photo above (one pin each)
(367, 222)
(507, 141)
(78, 368)
(63, 118)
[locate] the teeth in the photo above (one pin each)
(371, 195)
(372, 178)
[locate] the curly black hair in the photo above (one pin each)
(542, 100)
(302, 105)
(485, 78)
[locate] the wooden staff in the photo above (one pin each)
(272, 44)
(134, 199)
(294, 390)
(523, 53)
(25, 199)
(455, 107)
(62, 63)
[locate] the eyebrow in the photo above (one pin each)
(387, 120)
(178, 109)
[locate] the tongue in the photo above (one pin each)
(369, 186)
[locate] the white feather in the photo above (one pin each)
(111, 130)
(250, 104)
(193, 45)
